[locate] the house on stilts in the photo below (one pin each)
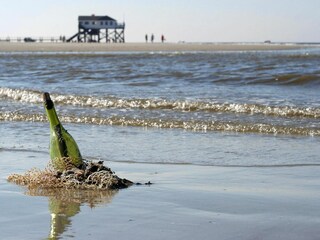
(98, 28)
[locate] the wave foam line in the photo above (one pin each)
(175, 124)
(30, 96)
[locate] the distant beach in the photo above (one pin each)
(143, 47)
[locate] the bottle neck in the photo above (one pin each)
(51, 112)
(53, 117)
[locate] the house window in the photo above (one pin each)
(93, 23)
(101, 23)
(86, 23)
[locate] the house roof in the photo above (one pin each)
(95, 18)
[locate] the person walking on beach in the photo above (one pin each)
(152, 37)
(146, 37)
(162, 38)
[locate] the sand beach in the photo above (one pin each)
(140, 47)
(185, 202)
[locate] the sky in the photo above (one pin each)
(177, 20)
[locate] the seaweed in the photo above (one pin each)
(91, 175)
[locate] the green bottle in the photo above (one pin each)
(62, 144)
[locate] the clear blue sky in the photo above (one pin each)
(178, 20)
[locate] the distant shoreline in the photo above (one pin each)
(146, 47)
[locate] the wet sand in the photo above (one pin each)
(185, 202)
(139, 47)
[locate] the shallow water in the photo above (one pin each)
(169, 146)
(218, 105)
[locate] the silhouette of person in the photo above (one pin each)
(152, 37)
(162, 38)
(146, 37)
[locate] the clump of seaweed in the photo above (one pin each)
(92, 175)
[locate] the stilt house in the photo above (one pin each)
(98, 28)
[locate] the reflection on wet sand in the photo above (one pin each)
(66, 203)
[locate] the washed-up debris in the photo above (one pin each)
(91, 175)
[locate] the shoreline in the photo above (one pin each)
(147, 47)
(185, 202)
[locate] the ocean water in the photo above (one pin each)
(229, 139)
(241, 108)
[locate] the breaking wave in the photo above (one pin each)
(192, 125)
(30, 96)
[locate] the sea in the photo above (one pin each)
(222, 108)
